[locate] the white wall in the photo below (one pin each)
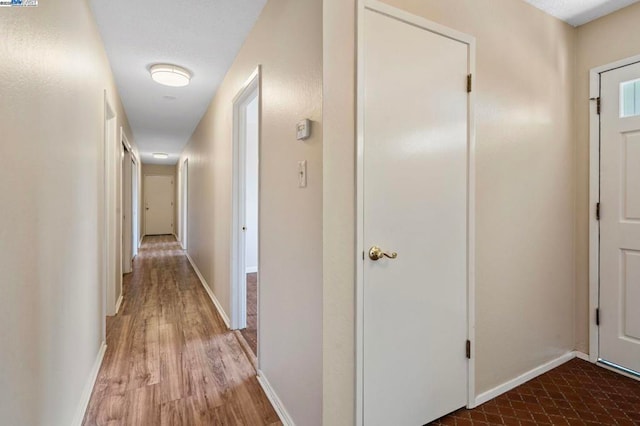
(525, 189)
(53, 73)
(251, 236)
(287, 42)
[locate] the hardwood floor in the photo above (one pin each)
(170, 359)
(250, 333)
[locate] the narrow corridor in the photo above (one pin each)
(170, 359)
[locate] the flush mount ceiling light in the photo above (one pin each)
(160, 155)
(170, 75)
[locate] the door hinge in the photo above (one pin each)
(363, 255)
(468, 349)
(469, 83)
(597, 211)
(597, 316)
(598, 104)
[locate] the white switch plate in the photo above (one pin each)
(303, 129)
(302, 174)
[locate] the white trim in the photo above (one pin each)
(88, 387)
(126, 243)
(594, 225)
(119, 302)
(277, 404)
(212, 296)
(184, 204)
(251, 269)
(523, 378)
(594, 197)
(582, 356)
(111, 143)
(471, 42)
(250, 89)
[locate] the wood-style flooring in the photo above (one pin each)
(250, 333)
(576, 393)
(170, 360)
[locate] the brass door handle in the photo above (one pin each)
(376, 253)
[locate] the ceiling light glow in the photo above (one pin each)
(160, 155)
(170, 75)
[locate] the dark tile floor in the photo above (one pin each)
(250, 333)
(576, 393)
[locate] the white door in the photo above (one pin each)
(159, 195)
(620, 217)
(415, 162)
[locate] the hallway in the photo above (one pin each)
(170, 359)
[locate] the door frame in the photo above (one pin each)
(184, 203)
(110, 261)
(135, 203)
(433, 27)
(251, 88)
(126, 242)
(594, 199)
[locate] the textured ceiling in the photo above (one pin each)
(203, 36)
(578, 12)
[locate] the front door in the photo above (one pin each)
(415, 222)
(620, 217)
(158, 195)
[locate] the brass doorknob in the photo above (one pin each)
(376, 253)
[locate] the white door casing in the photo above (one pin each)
(127, 211)
(619, 222)
(135, 203)
(184, 191)
(249, 92)
(159, 196)
(415, 198)
(110, 214)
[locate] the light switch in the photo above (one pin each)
(303, 130)
(302, 174)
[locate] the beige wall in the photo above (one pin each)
(338, 110)
(160, 170)
(287, 41)
(525, 189)
(53, 71)
(600, 42)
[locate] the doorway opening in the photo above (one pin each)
(112, 266)
(246, 219)
(184, 192)
(614, 226)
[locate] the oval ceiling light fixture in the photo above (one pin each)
(170, 75)
(160, 155)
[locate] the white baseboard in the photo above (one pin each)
(251, 269)
(523, 378)
(213, 297)
(88, 387)
(285, 418)
(119, 303)
(582, 356)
